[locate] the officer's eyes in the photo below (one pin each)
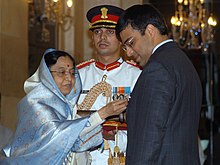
(110, 31)
(107, 32)
(97, 31)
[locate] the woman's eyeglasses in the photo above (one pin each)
(62, 72)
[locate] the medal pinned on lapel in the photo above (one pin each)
(120, 93)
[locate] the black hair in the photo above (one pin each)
(52, 57)
(139, 16)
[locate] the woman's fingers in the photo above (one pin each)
(117, 106)
(113, 108)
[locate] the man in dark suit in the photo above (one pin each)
(164, 109)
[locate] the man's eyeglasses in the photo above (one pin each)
(63, 72)
(129, 43)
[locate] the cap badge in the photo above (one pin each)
(104, 11)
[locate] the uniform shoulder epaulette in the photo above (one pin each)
(131, 62)
(85, 63)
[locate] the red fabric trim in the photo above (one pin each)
(100, 65)
(110, 17)
(133, 64)
(86, 63)
(108, 67)
(112, 66)
(111, 125)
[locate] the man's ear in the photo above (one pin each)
(150, 30)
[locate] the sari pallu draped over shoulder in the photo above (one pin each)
(45, 132)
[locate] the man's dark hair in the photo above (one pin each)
(139, 16)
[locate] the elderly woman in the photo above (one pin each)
(46, 132)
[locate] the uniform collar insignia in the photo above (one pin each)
(108, 67)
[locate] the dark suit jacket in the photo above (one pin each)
(164, 110)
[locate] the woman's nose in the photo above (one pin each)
(68, 76)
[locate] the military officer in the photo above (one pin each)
(108, 66)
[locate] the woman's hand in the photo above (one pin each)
(113, 108)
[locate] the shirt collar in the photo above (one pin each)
(160, 44)
(110, 66)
